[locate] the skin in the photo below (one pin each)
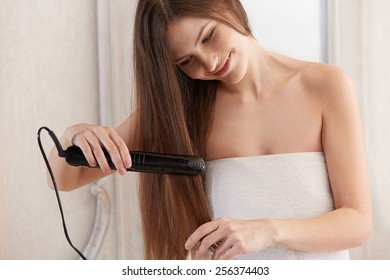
(303, 107)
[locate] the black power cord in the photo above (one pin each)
(61, 153)
(160, 163)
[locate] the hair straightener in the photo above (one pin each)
(141, 162)
(146, 162)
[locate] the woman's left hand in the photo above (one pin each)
(232, 237)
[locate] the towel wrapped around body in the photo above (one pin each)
(280, 186)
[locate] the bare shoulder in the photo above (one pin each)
(331, 84)
(325, 81)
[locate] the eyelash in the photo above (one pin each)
(186, 61)
(208, 37)
(204, 41)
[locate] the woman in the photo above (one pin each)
(282, 139)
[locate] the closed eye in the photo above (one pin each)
(186, 61)
(208, 37)
(189, 59)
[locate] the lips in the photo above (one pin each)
(224, 68)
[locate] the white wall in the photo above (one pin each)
(48, 76)
(115, 29)
(61, 63)
(293, 28)
(2, 198)
(360, 45)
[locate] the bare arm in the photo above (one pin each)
(347, 226)
(91, 139)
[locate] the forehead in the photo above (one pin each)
(182, 33)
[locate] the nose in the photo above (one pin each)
(210, 62)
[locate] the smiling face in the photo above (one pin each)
(206, 49)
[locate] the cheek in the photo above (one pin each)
(224, 40)
(194, 72)
(222, 43)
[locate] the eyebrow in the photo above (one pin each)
(197, 38)
(201, 32)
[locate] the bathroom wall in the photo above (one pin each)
(358, 44)
(48, 77)
(294, 28)
(64, 62)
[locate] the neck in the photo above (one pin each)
(264, 73)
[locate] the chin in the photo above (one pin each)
(236, 74)
(234, 78)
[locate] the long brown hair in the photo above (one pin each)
(174, 113)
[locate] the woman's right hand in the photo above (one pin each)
(91, 138)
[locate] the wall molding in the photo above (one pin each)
(115, 27)
(102, 221)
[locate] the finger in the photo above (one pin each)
(216, 249)
(229, 254)
(209, 244)
(200, 233)
(230, 249)
(122, 147)
(222, 248)
(96, 149)
(82, 143)
(101, 159)
(103, 134)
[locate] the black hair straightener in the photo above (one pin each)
(146, 162)
(141, 162)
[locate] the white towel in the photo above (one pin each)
(291, 185)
